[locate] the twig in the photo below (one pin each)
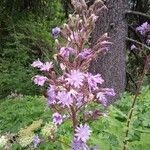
(132, 40)
(137, 13)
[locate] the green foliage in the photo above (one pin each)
(108, 133)
(24, 37)
(18, 113)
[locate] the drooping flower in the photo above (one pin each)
(133, 47)
(86, 53)
(143, 28)
(102, 98)
(39, 80)
(82, 133)
(75, 78)
(57, 118)
(109, 91)
(64, 98)
(55, 32)
(93, 80)
(36, 141)
(37, 64)
(66, 51)
(148, 42)
(47, 66)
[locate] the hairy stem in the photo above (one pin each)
(74, 118)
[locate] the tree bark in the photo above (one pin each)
(112, 64)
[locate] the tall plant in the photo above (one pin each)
(72, 88)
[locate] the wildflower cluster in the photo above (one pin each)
(74, 87)
(144, 31)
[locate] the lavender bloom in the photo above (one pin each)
(148, 42)
(109, 92)
(64, 98)
(93, 80)
(75, 78)
(37, 64)
(101, 98)
(82, 133)
(66, 51)
(79, 145)
(133, 47)
(55, 32)
(39, 80)
(36, 141)
(86, 53)
(143, 28)
(57, 118)
(47, 66)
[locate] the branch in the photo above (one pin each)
(132, 40)
(137, 13)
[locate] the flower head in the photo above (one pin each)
(82, 133)
(143, 28)
(102, 98)
(148, 42)
(93, 80)
(64, 98)
(37, 64)
(79, 145)
(55, 32)
(51, 96)
(66, 51)
(86, 53)
(75, 78)
(109, 92)
(133, 47)
(39, 80)
(36, 141)
(47, 66)
(57, 118)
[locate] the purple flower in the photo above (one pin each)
(93, 80)
(37, 64)
(101, 98)
(66, 51)
(39, 80)
(143, 28)
(57, 118)
(75, 78)
(86, 53)
(148, 42)
(55, 32)
(109, 92)
(51, 96)
(82, 133)
(79, 145)
(95, 148)
(36, 141)
(47, 66)
(133, 47)
(64, 98)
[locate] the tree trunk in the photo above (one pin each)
(112, 64)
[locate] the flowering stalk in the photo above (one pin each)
(75, 88)
(146, 69)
